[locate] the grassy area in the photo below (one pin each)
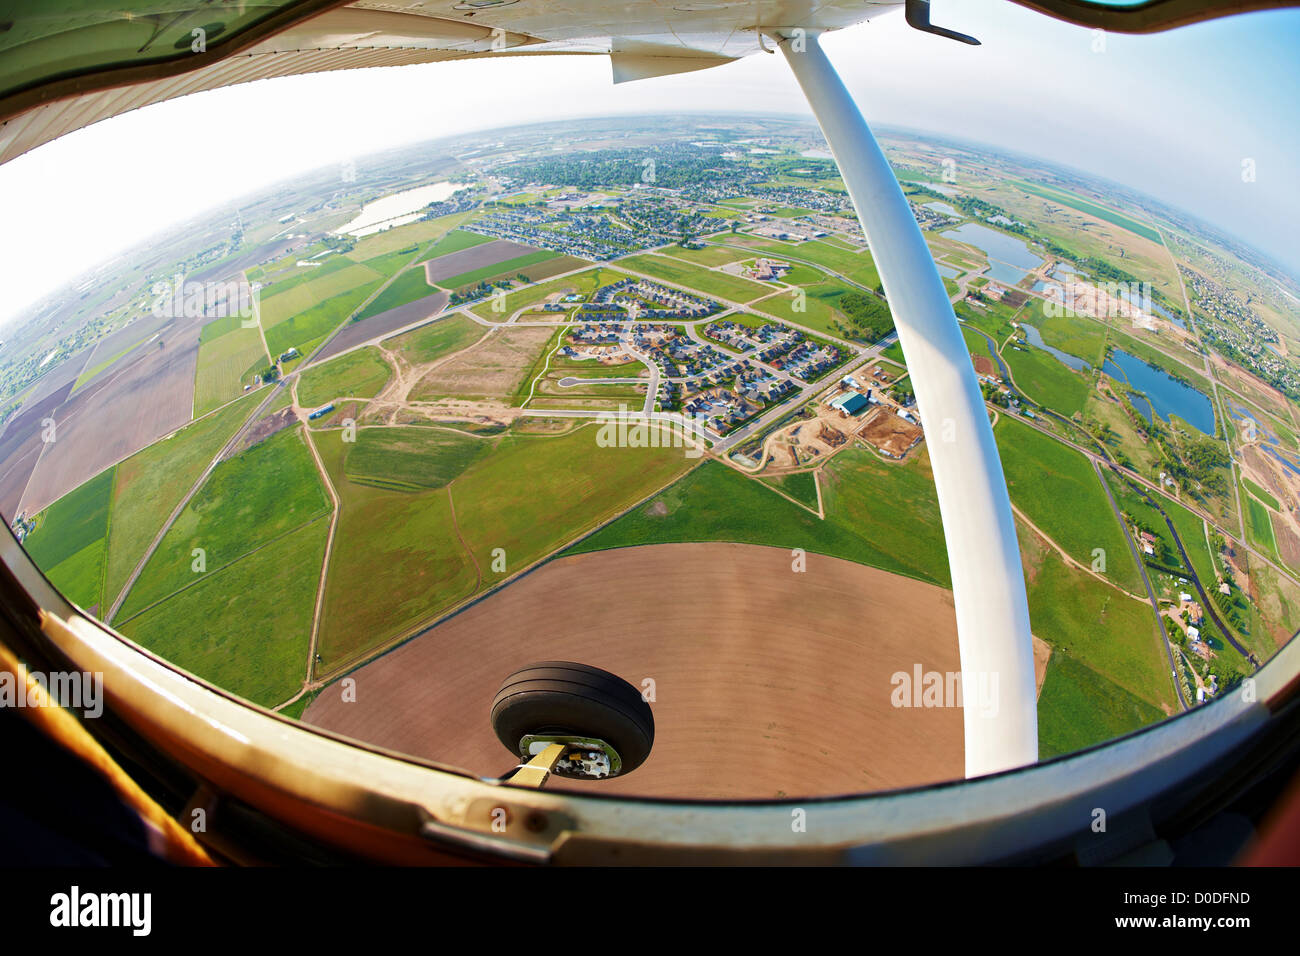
(708, 282)
(280, 303)
(151, 482)
(68, 542)
(247, 502)
(306, 329)
(1260, 493)
(819, 303)
(359, 374)
(410, 459)
(398, 544)
(245, 627)
(880, 514)
(1091, 209)
(1191, 529)
(1259, 529)
(1094, 623)
(433, 341)
(801, 486)
(855, 265)
(1056, 487)
(1079, 707)
(223, 367)
(454, 241)
(407, 287)
(536, 493)
(710, 255)
(1079, 336)
(1046, 380)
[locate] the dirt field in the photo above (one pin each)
(475, 257)
(984, 365)
(889, 433)
(767, 682)
(1288, 543)
(492, 368)
(262, 429)
(148, 396)
(354, 333)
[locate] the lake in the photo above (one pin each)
(1010, 259)
(943, 207)
(1165, 395)
(1035, 339)
(397, 209)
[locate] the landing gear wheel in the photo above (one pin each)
(560, 700)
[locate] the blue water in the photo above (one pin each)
(947, 271)
(943, 207)
(1287, 463)
(1036, 339)
(1009, 258)
(1165, 395)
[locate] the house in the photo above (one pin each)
(1194, 633)
(1148, 542)
(1184, 597)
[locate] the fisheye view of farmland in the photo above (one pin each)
(628, 391)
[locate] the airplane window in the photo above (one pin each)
(462, 425)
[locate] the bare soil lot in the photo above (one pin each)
(492, 368)
(766, 682)
(354, 333)
(475, 257)
(150, 395)
(892, 435)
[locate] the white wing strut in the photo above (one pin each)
(997, 659)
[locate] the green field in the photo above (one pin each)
(708, 282)
(247, 502)
(68, 541)
(1046, 380)
(1079, 336)
(407, 287)
(279, 304)
(801, 486)
(1079, 707)
(359, 374)
(411, 459)
(1091, 208)
(454, 241)
(1094, 623)
(225, 365)
(529, 495)
(1259, 528)
(395, 543)
(433, 341)
(856, 266)
(305, 330)
(245, 627)
(1057, 488)
(819, 302)
(877, 513)
(152, 481)
(1260, 493)
(710, 255)
(1191, 529)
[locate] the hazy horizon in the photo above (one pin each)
(1037, 88)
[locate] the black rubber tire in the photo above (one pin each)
(561, 697)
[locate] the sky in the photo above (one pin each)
(1173, 115)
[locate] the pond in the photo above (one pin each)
(396, 209)
(1010, 259)
(944, 208)
(1036, 339)
(1165, 395)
